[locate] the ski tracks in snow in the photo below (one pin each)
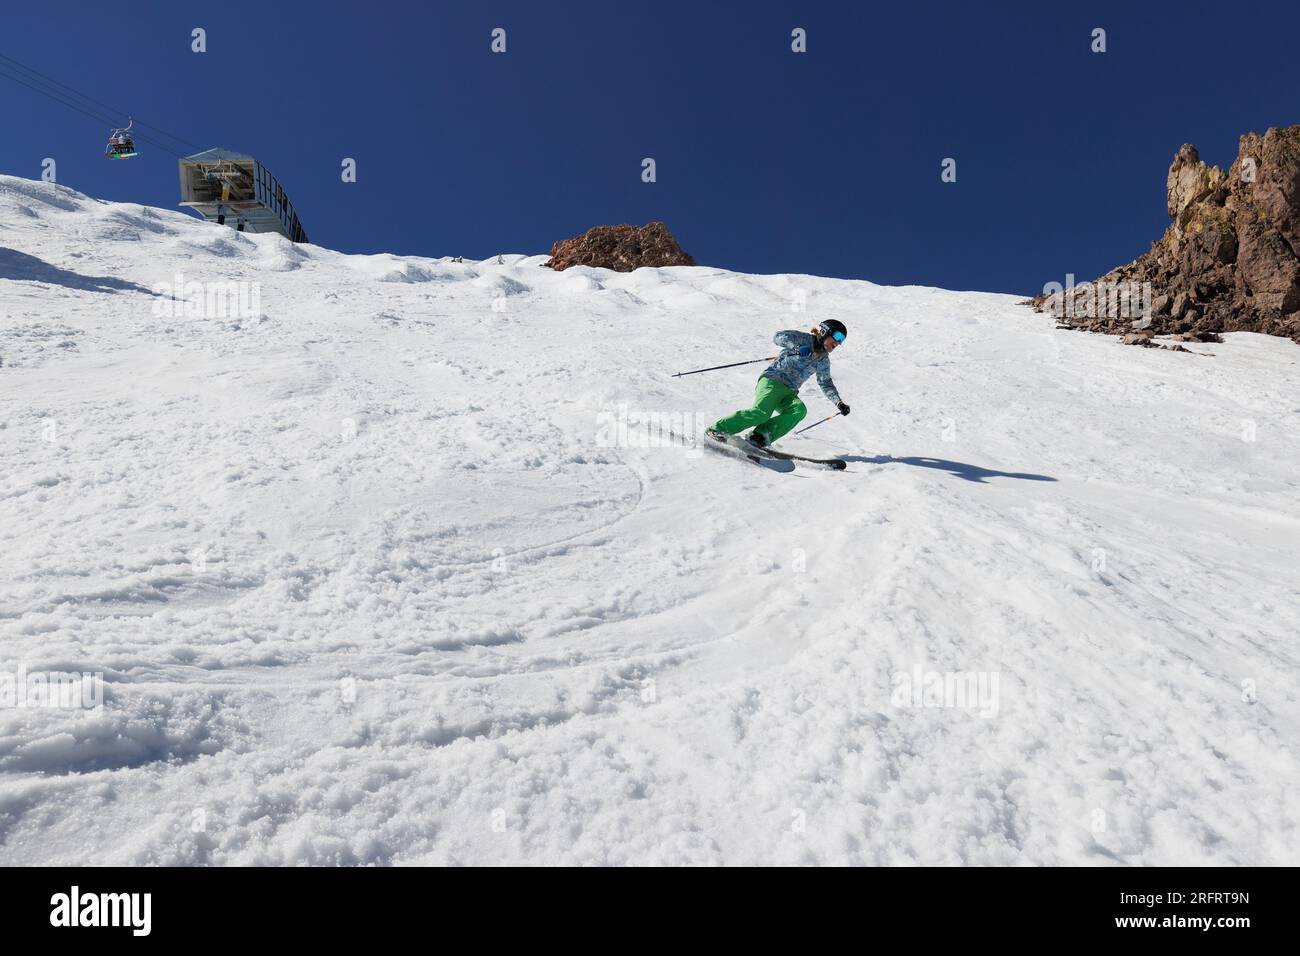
(368, 583)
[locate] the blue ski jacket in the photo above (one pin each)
(798, 360)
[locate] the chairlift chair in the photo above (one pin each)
(121, 142)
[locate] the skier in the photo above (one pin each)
(802, 354)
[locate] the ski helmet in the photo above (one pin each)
(834, 328)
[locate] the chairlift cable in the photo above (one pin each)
(95, 116)
(70, 101)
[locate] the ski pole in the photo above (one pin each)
(714, 368)
(823, 421)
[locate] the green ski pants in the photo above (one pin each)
(770, 396)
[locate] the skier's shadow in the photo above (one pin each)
(959, 469)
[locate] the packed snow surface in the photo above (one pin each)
(397, 565)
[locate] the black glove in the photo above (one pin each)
(844, 409)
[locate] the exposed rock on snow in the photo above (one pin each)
(621, 248)
(1229, 261)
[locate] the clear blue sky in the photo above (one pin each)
(768, 161)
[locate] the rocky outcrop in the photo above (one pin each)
(1229, 261)
(621, 248)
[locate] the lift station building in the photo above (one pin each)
(234, 189)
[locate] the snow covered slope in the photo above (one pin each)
(375, 573)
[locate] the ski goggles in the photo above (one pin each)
(838, 336)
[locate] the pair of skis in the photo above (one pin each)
(737, 445)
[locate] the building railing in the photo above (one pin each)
(270, 193)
